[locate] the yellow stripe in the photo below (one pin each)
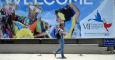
(72, 27)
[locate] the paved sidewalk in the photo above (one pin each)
(51, 57)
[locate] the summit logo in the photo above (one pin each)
(98, 18)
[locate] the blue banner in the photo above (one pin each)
(109, 42)
(94, 17)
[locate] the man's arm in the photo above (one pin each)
(74, 20)
(76, 10)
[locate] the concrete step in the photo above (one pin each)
(49, 48)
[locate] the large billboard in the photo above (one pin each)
(37, 18)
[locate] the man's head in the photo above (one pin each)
(38, 8)
(35, 10)
(9, 8)
(60, 17)
(61, 25)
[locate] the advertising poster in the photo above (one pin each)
(40, 18)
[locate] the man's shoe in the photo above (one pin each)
(63, 57)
